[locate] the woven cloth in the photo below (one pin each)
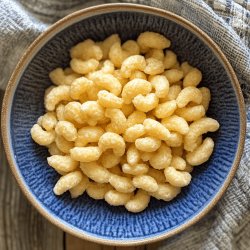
(227, 226)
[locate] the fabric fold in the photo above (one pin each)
(227, 225)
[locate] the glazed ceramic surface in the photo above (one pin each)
(96, 220)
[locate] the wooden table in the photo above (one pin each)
(23, 228)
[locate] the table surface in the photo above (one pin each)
(23, 228)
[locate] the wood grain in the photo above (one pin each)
(73, 243)
(153, 246)
(21, 226)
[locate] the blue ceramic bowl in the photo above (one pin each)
(96, 220)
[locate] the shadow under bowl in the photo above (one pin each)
(96, 220)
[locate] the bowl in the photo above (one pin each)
(95, 220)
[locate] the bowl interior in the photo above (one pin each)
(93, 217)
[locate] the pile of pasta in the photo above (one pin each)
(125, 121)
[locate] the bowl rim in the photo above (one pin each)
(66, 22)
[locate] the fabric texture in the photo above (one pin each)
(227, 22)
